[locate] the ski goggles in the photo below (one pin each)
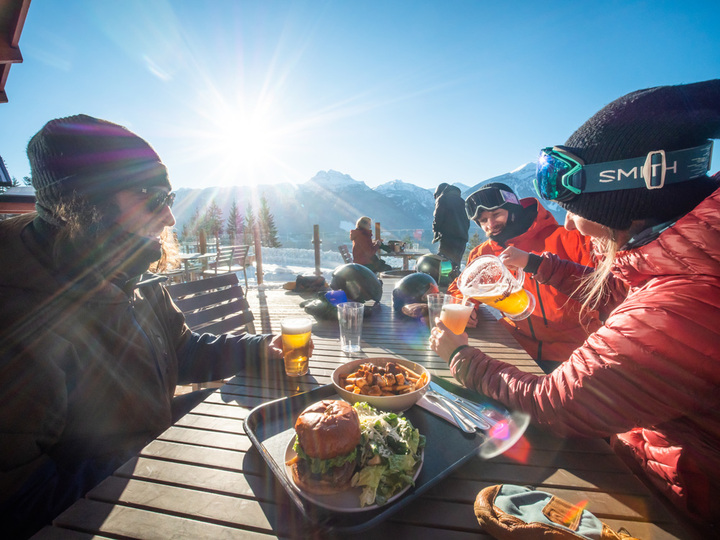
(562, 176)
(488, 199)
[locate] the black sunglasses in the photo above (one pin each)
(157, 200)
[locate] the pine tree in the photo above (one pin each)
(249, 226)
(268, 230)
(211, 221)
(235, 223)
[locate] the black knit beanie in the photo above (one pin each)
(662, 118)
(90, 157)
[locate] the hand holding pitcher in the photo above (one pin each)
(489, 281)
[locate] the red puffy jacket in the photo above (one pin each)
(363, 248)
(554, 330)
(650, 375)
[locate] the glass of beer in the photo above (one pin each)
(296, 334)
(455, 313)
(488, 280)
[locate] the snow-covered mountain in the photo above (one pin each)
(332, 180)
(334, 201)
(413, 199)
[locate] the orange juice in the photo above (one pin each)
(455, 316)
(296, 346)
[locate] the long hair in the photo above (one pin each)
(593, 287)
(170, 259)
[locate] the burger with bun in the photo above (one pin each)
(328, 434)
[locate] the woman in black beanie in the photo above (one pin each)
(634, 177)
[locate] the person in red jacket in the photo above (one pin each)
(635, 178)
(364, 248)
(556, 326)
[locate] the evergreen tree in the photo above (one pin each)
(268, 230)
(212, 221)
(249, 226)
(235, 223)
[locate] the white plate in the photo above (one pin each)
(344, 501)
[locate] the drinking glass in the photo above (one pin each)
(435, 304)
(350, 318)
(455, 313)
(296, 334)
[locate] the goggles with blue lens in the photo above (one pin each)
(562, 176)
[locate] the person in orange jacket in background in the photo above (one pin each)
(556, 326)
(364, 248)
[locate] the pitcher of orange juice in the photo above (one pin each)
(489, 281)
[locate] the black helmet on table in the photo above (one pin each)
(437, 266)
(413, 289)
(359, 283)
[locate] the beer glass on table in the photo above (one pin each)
(455, 313)
(489, 281)
(296, 334)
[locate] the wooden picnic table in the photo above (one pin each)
(195, 263)
(203, 478)
(406, 256)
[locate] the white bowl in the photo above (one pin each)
(397, 403)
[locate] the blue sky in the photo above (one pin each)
(239, 92)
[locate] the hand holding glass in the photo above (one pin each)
(296, 334)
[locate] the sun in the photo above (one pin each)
(243, 142)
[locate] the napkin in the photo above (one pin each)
(435, 409)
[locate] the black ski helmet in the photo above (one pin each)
(413, 289)
(359, 282)
(437, 266)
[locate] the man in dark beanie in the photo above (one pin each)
(635, 178)
(450, 224)
(92, 347)
(555, 328)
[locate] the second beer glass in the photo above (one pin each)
(456, 313)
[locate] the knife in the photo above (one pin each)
(470, 408)
(462, 421)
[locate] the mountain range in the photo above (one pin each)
(334, 201)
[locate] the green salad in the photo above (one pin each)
(390, 450)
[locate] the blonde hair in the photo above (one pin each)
(594, 285)
(364, 223)
(170, 259)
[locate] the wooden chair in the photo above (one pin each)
(214, 305)
(345, 252)
(234, 258)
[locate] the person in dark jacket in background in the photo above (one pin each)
(92, 347)
(450, 224)
(635, 178)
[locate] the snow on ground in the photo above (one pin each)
(281, 265)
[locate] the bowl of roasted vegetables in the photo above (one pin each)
(388, 384)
